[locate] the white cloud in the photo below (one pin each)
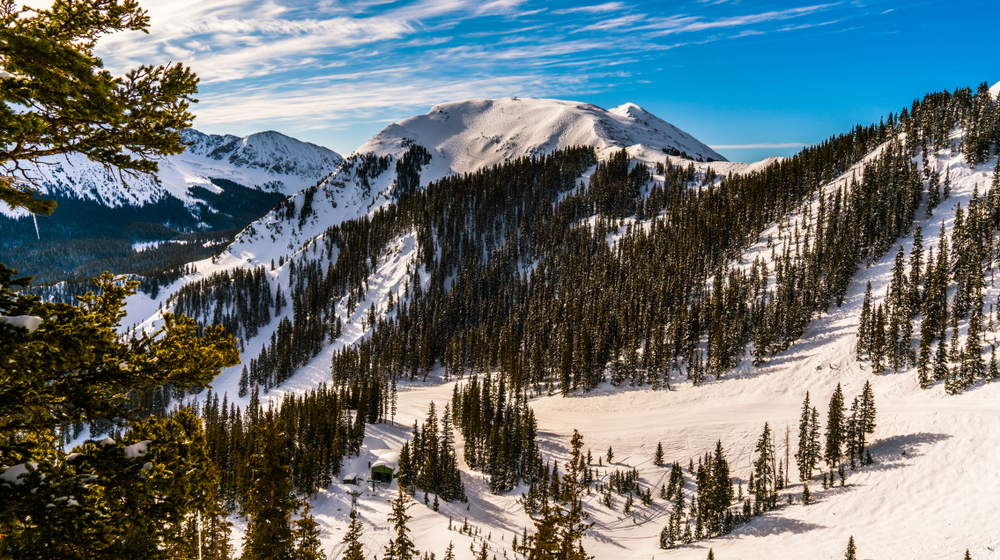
(596, 9)
(685, 25)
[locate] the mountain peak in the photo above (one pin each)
(995, 90)
(630, 109)
(477, 133)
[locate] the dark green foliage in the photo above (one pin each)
(658, 456)
(636, 311)
(431, 464)
(307, 536)
(808, 453)
(76, 368)
(241, 301)
(408, 171)
(86, 238)
(715, 494)
(764, 480)
(835, 429)
(499, 430)
(271, 502)
(561, 522)
(317, 426)
(136, 498)
(355, 550)
(860, 424)
(400, 547)
(852, 551)
(48, 64)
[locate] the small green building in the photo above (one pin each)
(384, 469)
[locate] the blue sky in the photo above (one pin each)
(751, 78)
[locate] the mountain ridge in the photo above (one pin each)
(462, 137)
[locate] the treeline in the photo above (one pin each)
(239, 299)
(716, 508)
(917, 294)
(917, 311)
(647, 302)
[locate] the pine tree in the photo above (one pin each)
(76, 105)
(355, 550)
(573, 521)
(764, 472)
(865, 421)
(658, 456)
(307, 542)
(806, 495)
(815, 451)
(852, 551)
(400, 547)
(864, 347)
(271, 504)
(803, 456)
(835, 429)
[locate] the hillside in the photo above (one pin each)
(453, 139)
(666, 304)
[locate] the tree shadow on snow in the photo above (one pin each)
(893, 452)
(772, 524)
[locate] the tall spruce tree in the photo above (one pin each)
(765, 472)
(835, 436)
(355, 550)
(804, 457)
(401, 546)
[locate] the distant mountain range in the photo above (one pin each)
(205, 194)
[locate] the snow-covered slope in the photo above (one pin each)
(464, 137)
(930, 493)
(473, 134)
(266, 160)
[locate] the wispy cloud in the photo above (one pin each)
(669, 26)
(308, 64)
(595, 9)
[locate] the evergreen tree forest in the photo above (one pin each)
(315, 429)
(499, 430)
(430, 463)
(515, 273)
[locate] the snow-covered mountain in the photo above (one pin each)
(268, 161)
(219, 183)
(916, 501)
(463, 137)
